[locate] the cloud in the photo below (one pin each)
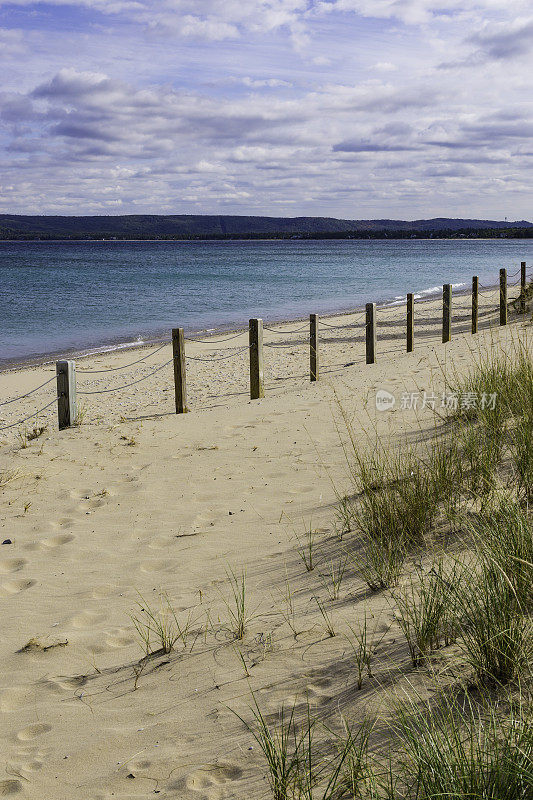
(211, 29)
(417, 12)
(271, 83)
(192, 106)
(505, 41)
(370, 147)
(384, 66)
(12, 43)
(75, 131)
(69, 83)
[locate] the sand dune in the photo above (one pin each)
(138, 501)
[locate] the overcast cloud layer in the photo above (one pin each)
(347, 108)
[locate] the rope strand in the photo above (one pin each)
(342, 327)
(7, 402)
(222, 358)
(34, 413)
(214, 341)
(119, 388)
(281, 333)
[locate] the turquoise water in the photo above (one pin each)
(57, 298)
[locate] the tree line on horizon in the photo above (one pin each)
(206, 227)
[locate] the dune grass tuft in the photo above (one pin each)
(425, 613)
(160, 626)
(459, 751)
(495, 635)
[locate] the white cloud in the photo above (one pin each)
(416, 12)
(505, 40)
(254, 106)
(211, 29)
(12, 43)
(264, 82)
(384, 66)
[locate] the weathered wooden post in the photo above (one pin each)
(371, 339)
(475, 302)
(180, 384)
(523, 287)
(313, 347)
(446, 312)
(410, 322)
(66, 393)
(503, 297)
(256, 359)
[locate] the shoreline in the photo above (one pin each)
(264, 239)
(218, 365)
(16, 364)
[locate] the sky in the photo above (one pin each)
(359, 109)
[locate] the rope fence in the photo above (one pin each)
(33, 414)
(409, 313)
(214, 341)
(32, 391)
(284, 333)
(127, 385)
(342, 327)
(221, 358)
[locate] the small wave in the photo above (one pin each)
(423, 293)
(111, 348)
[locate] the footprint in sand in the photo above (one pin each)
(302, 489)
(316, 693)
(80, 494)
(66, 684)
(161, 542)
(24, 765)
(87, 619)
(157, 565)
(27, 759)
(14, 587)
(209, 778)
(16, 698)
(32, 731)
(51, 542)
(11, 565)
(119, 637)
(8, 788)
(66, 522)
(101, 592)
(203, 519)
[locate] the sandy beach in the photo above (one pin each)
(218, 371)
(101, 518)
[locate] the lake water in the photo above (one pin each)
(63, 297)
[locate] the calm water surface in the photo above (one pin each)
(60, 297)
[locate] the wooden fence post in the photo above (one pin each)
(523, 287)
(180, 383)
(410, 322)
(313, 347)
(446, 312)
(503, 297)
(371, 339)
(66, 393)
(475, 302)
(256, 359)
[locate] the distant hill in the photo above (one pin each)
(192, 226)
